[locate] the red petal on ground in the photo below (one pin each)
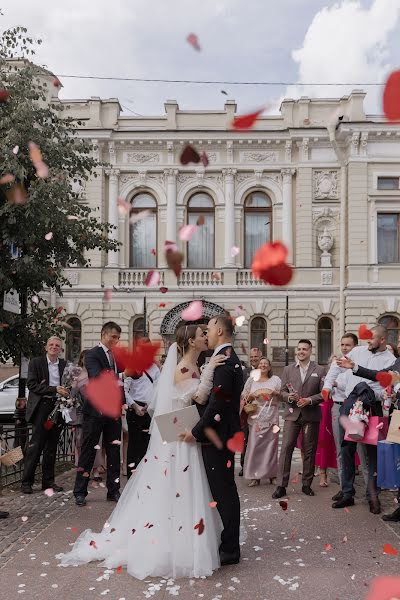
(104, 394)
(118, 570)
(328, 547)
(236, 443)
(283, 504)
(200, 527)
(246, 121)
(391, 97)
(389, 549)
(364, 333)
(384, 378)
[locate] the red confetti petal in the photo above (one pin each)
(163, 290)
(175, 420)
(104, 393)
(118, 570)
(384, 588)
(8, 178)
(364, 333)
(195, 376)
(186, 232)
(213, 504)
(283, 504)
(328, 547)
(184, 370)
(391, 97)
(236, 443)
(189, 155)
(162, 305)
(229, 464)
(204, 159)
(152, 279)
(193, 312)
(384, 378)
(325, 394)
(193, 40)
(107, 295)
(173, 257)
(137, 358)
(389, 549)
(200, 527)
(48, 424)
(246, 121)
(201, 220)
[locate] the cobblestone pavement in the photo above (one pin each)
(308, 551)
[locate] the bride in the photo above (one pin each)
(165, 523)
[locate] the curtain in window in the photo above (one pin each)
(257, 233)
(201, 245)
(388, 240)
(142, 241)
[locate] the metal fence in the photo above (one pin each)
(12, 436)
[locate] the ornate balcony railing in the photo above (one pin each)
(133, 278)
(200, 278)
(245, 278)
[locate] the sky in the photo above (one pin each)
(295, 41)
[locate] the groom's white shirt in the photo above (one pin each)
(218, 348)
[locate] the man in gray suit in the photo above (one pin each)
(302, 383)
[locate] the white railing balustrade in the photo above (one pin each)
(200, 278)
(130, 278)
(245, 278)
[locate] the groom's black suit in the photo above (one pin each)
(224, 401)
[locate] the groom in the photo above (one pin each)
(221, 414)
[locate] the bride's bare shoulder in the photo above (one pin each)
(183, 373)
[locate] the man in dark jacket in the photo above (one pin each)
(44, 382)
(97, 360)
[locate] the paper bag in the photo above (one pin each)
(394, 428)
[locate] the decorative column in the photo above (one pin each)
(171, 204)
(287, 211)
(113, 175)
(229, 185)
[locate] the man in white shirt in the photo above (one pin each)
(138, 392)
(373, 356)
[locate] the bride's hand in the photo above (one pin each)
(219, 359)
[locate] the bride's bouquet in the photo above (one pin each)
(357, 422)
(71, 380)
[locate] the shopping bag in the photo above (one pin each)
(388, 465)
(394, 428)
(376, 430)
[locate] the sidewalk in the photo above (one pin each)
(285, 555)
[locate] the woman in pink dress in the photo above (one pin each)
(326, 450)
(261, 459)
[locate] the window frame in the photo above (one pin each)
(391, 316)
(253, 210)
(319, 331)
(265, 333)
(69, 357)
(135, 210)
(386, 212)
(201, 210)
(139, 333)
(387, 177)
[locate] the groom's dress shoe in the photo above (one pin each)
(279, 492)
(394, 517)
(228, 558)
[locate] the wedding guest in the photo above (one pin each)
(138, 392)
(301, 390)
(97, 360)
(325, 457)
(43, 382)
(261, 460)
(255, 357)
(373, 356)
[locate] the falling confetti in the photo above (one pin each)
(213, 504)
(189, 155)
(186, 232)
(200, 527)
(35, 155)
(152, 279)
(104, 393)
(107, 295)
(193, 312)
(246, 121)
(390, 550)
(364, 333)
(236, 443)
(269, 264)
(4, 95)
(391, 97)
(235, 251)
(384, 378)
(239, 321)
(124, 207)
(8, 178)
(193, 40)
(135, 217)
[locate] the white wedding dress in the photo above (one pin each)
(152, 529)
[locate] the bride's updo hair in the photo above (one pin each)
(183, 335)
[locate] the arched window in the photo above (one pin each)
(143, 233)
(258, 333)
(325, 340)
(138, 329)
(392, 325)
(200, 248)
(73, 340)
(257, 224)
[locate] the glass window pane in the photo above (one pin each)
(73, 341)
(257, 233)
(258, 333)
(201, 201)
(258, 200)
(324, 346)
(388, 183)
(388, 241)
(143, 201)
(142, 241)
(200, 247)
(138, 328)
(392, 325)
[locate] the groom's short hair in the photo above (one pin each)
(226, 322)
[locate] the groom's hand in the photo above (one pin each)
(187, 436)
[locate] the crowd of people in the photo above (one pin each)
(314, 397)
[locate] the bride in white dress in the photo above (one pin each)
(165, 523)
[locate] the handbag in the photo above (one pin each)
(388, 465)
(394, 428)
(375, 431)
(250, 408)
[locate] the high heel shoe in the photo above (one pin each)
(254, 483)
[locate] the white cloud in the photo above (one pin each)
(347, 42)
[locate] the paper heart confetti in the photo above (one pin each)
(204, 159)
(200, 527)
(193, 40)
(236, 443)
(265, 341)
(390, 550)
(235, 250)
(216, 276)
(173, 257)
(391, 97)
(104, 394)
(189, 155)
(49, 236)
(152, 279)
(184, 370)
(364, 333)
(24, 519)
(213, 504)
(283, 504)
(137, 358)
(239, 321)
(246, 121)
(35, 155)
(384, 378)
(328, 547)
(186, 232)
(269, 264)
(193, 312)
(276, 429)
(135, 217)
(124, 207)
(384, 588)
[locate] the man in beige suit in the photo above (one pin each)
(302, 383)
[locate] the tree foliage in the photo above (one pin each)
(53, 204)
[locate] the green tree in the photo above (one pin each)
(50, 206)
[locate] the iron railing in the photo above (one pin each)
(12, 436)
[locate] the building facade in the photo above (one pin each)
(321, 176)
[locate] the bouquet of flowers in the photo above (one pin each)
(358, 421)
(72, 379)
